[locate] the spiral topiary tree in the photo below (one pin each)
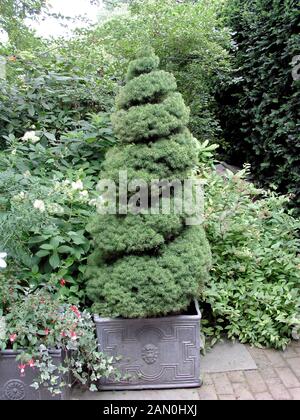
(147, 265)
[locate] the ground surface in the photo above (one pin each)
(275, 377)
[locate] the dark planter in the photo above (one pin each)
(13, 386)
(155, 352)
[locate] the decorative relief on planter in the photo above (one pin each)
(14, 390)
(155, 353)
(150, 354)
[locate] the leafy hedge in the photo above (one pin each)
(53, 89)
(260, 107)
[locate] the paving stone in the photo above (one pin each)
(207, 380)
(261, 360)
(222, 383)
(296, 346)
(228, 356)
(242, 392)
(289, 352)
(268, 373)
(236, 377)
(295, 392)
(279, 392)
(256, 382)
(294, 363)
(288, 378)
(255, 351)
(272, 381)
(275, 358)
(263, 396)
(227, 397)
(207, 393)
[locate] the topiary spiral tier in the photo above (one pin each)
(148, 265)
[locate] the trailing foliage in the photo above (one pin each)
(147, 265)
(260, 108)
(254, 292)
(36, 324)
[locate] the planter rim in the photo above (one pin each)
(52, 352)
(98, 318)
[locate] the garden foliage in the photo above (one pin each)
(260, 107)
(192, 43)
(253, 294)
(148, 265)
(53, 141)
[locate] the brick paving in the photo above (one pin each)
(277, 378)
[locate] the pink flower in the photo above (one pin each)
(46, 331)
(63, 282)
(31, 363)
(63, 334)
(73, 335)
(12, 337)
(75, 310)
(22, 368)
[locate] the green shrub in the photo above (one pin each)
(54, 89)
(47, 194)
(260, 108)
(192, 44)
(254, 292)
(147, 265)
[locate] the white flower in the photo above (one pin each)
(3, 264)
(27, 174)
(31, 137)
(84, 194)
(39, 205)
(19, 197)
(78, 185)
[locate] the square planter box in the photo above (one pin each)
(155, 352)
(13, 386)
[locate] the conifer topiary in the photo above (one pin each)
(147, 265)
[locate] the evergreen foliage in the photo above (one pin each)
(260, 107)
(148, 265)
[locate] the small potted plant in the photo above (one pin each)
(148, 268)
(46, 347)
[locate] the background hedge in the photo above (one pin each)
(260, 106)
